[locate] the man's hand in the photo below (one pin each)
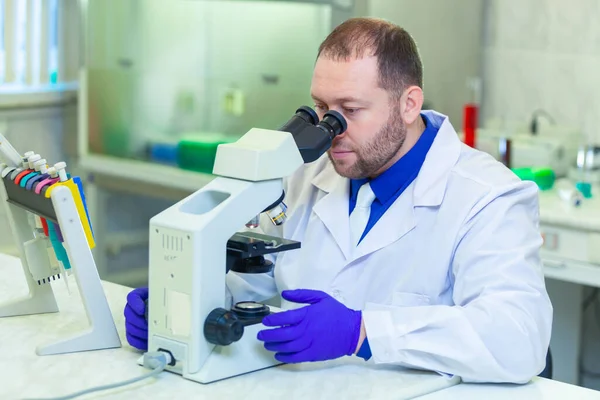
(324, 330)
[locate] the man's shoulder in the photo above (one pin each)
(486, 178)
(307, 172)
(483, 169)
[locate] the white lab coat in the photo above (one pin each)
(449, 279)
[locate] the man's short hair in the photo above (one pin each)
(398, 59)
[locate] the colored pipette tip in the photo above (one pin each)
(61, 170)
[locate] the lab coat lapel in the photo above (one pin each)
(397, 221)
(427, 190)
(430, 185)
(333, 208)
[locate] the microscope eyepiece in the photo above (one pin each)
(333, 123)
(302, 118)
(308, 114)
(314, 137)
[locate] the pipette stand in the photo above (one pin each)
(59, 208)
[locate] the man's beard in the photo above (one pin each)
(376, 153)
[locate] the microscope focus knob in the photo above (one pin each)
(222, 327)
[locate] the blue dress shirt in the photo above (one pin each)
(389, 186)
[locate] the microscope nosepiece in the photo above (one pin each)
(277, 214)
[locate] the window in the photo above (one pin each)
(20, 28)
(32, 43)
(53, 42)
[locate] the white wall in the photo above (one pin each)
(544, 54)
(448, 34)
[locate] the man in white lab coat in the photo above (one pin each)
(417, 250)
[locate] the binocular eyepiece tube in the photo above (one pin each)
(313, 138)
(333, 123)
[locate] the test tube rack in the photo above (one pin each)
(63, 206)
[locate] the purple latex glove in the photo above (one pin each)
(324, 330)
(136, 325)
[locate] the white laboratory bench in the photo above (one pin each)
(26, 375)
(539, 389)
(571, 255)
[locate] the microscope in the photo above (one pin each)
(194, 243)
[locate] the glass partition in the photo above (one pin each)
(168, 80)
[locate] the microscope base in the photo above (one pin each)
(244, 356)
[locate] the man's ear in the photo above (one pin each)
(411, 103)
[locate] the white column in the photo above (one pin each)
(2, 44)
(44, 42)
(53, 40)
(63, 22)
(10, 13)
(34, 46)
(20, 32)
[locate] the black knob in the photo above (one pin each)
(222, 327)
